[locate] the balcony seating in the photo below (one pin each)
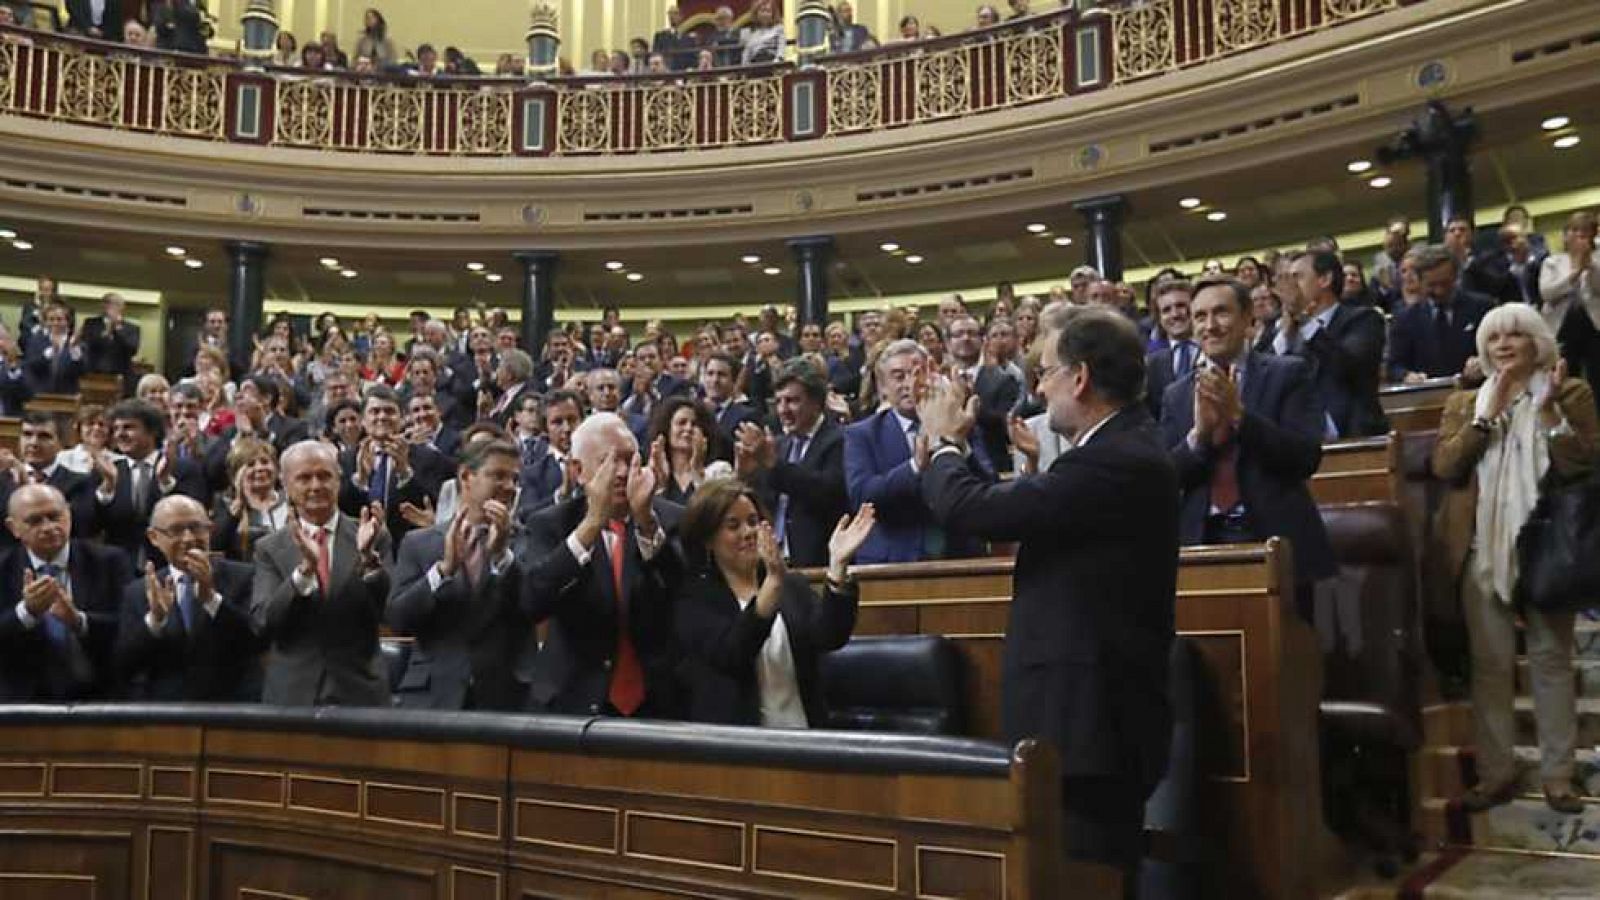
(902, 683)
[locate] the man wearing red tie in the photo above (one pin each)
(602, 570)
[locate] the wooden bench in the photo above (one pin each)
(1359, 471)
(1416, 407)
(66, 404)
(11, 433)
(103, 390)
(1258, 732)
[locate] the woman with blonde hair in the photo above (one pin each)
(1499, 446)
(253, 506)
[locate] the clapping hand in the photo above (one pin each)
(158, 595)
(947, 412)
(771, 591)
(418, 516)
(641, 492)
(847, 538)
(373, 524)
(597, 489)
(1550, 394)
(107, 470)
(660, 462)
(498, 515)
(310, 557)
(1023, 438)
(456, 544)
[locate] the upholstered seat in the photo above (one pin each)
(910, 684)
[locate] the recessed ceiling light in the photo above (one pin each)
(635, 276)
(1216, 215)
(750, 259)
(193, 263)
(889, 247)
(1063, 241)
(772, 270)
(614, 266)
(1038, 228)
(1563, 143)
(22, 245)
(1358, 166)
(1381, 182)
(330, 262)
(348, 273)
(474, 267)
(7, 234)
(176, 251)
(1189, 202)
(494, 277)
(914, 259)
(1555, 123)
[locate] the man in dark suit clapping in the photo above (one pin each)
(111, 341)
(1436, 338)
(1085, 659)
(185, 629)
(800, 476)
(320, 590)
(456, 590)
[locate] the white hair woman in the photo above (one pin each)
(1496, 447)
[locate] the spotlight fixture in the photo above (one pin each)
(750, 259)
(494, 277)
(1358, 166)
(22, 245)
(1381, 182)
(474, 267)
(193, 263)
(176, 251)
(889, 247)
(1189, 202)
(614, 266)
(1038, 228)
(635, 276)
(914, 260)
(772, 270)
(348, 273)
(330, 263)
(1216, 215)
(1555, 123)
(7, 234)
(1062, 242)
(1565, 143)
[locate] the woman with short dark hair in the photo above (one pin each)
(751, 631)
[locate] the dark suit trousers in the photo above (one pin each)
(1103, 822)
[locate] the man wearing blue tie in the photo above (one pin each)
(1174, 353)
(55, 639)
(382, 469)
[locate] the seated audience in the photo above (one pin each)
(320, 589)
(1497, 445)
(1435, 339)
(184, 629)
(753, 632)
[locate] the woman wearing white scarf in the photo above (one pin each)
(1495, 446)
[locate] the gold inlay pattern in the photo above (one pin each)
(1144, 39)
(194, 102)
(755, 111)
(943, 85)
(1033, 66)
(8, 73)
(305, 113)
(583, 122)
(668, 118)
(1350, 9)
(854, 98)
(1241, 24)
(394, 119)
(91, 89)
(485, 123)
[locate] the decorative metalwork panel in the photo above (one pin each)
(1033, 66)
(755, 111)
(943, 84)
(193, 103)
(8, 73)
(1242, 24)
(305, 113)
(395, 119)
(854, 98)
(669, 117)
(583, 122)
(91, 89)
(484, 123)
(1143, 39)
(1350, 9)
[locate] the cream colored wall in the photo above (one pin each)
(496, 26)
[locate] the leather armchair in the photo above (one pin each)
(902, 683)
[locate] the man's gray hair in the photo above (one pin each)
(901, 347)
(518, 363)
(297, 452)
(594, 428)
(1429, 256)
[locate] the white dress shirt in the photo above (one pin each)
(781, 706)
(306, 585)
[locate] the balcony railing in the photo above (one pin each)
(1047, 57)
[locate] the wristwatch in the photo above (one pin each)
(1483, 424)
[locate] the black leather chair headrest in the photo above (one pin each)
(1366, 534)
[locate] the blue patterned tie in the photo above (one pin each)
(379, 486)
(797, 452)
(54, 629)
(186, 603)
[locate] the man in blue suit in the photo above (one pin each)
(1245, 432)
(1436, 338)
(883, 456)
(544, 462)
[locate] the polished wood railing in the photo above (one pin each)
(1041, 58)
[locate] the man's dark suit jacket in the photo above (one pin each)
(817, 495)
(1280, 447)
(110, 352)
(1490, 275)
(79, 491)
(540, 479)
(728, 421)
(877, 470)
(1347, 364)
(572, 673)
(1416, 343)
(721, 643)
(425, 467)
(997, 396)
(15, 389)
(181, 26)
(324, 648)
(31, 668)
(473, 642)
(1085, 658)
(58, 374)
(80, 18)
(218, 661)
(124, 524)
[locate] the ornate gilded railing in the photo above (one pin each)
(1043, 58)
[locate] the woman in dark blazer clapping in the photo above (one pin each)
(751, 631)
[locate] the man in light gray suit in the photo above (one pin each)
(456, 589)
(319, 591)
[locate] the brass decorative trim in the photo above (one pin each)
(137, 769)
(187, 772)
(455, 811)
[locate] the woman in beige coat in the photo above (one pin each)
(1496, 445)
